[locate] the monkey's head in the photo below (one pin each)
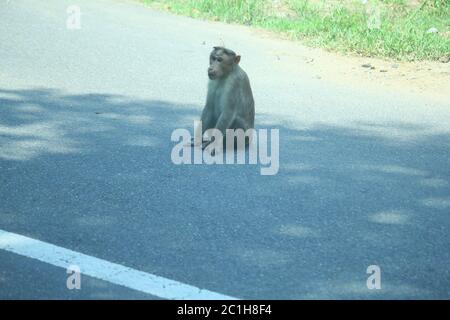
(221, 62)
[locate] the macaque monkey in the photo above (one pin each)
(229, 102)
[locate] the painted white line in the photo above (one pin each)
(104, 270)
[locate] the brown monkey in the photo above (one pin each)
(229, 102)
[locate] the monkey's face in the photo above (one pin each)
(221, 63)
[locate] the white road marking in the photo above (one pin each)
(104, 270)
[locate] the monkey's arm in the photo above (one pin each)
(229, 110)
(226, 119)
(206, 121)
(207, 118)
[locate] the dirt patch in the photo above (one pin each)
(425, 78)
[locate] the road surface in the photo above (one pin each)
(86, 117)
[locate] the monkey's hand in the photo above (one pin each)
(205, 143)
(193, 143)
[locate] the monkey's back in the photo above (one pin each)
(246, 109)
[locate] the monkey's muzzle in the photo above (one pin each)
(211, 74)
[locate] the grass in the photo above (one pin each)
(390, 29)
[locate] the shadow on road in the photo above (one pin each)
(93, 173)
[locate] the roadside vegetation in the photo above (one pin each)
(399, 29)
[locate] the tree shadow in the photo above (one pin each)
(93, 173)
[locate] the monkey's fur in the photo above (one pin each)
(229, 101)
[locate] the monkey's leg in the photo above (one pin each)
(225, 120)
(240, 123)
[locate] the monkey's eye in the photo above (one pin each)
(219, 59)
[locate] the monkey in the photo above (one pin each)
(229, 100)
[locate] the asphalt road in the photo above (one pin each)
(85, 123)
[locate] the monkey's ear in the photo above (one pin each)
(237, 59)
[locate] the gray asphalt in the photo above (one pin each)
(85, 124)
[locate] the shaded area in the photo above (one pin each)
(42, 281)
(93, 173)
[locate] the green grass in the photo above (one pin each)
(339, 25)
